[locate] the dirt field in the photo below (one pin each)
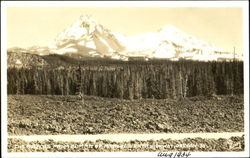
(38, 114)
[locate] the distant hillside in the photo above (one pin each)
(26, 60)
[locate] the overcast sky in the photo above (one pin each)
(40, 25)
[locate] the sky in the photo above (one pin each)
(221, 26)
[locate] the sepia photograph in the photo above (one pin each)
(164, 78)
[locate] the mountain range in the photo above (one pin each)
(86, 38)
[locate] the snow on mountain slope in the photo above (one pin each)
(86, 37)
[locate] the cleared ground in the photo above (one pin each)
(54, 115)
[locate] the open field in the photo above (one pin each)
(47, 114)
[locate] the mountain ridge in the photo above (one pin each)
(86, 37)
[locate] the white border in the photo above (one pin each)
(125, 4)
(5, 5)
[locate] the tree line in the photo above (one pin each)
(160, 80)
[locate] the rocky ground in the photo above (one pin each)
(38, 114)
(163, 145)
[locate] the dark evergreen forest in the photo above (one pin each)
(131, 80)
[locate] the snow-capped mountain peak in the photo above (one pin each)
(83, 26)
(86, 37)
